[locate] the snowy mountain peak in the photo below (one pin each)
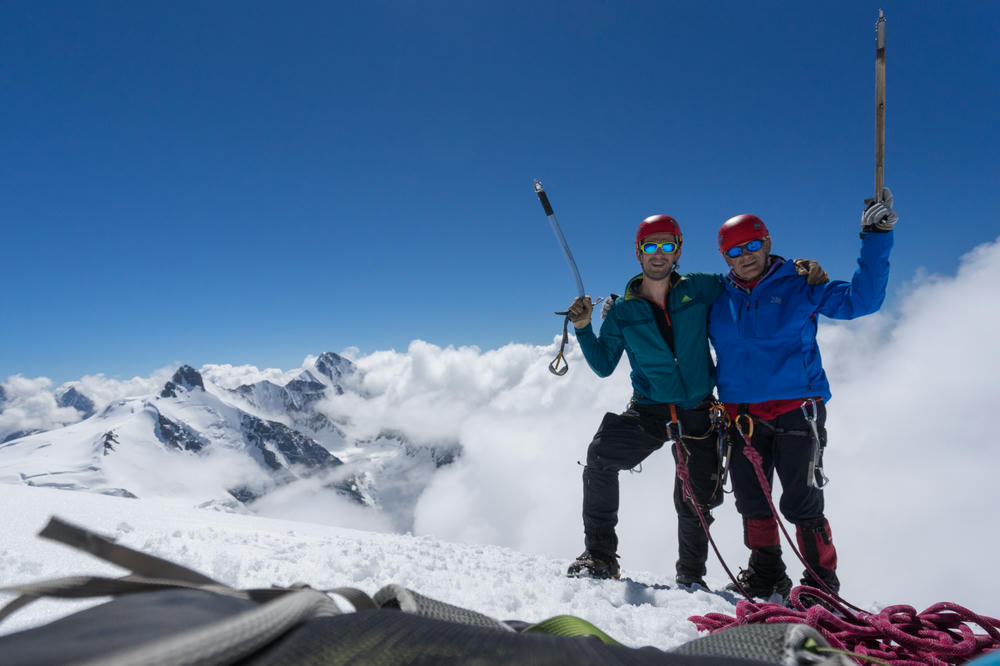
(78, 401)
(187, 378)
(333, 366)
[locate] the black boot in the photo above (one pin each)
(594, 565)
(765, 575)
(690, 574)
(693, 550)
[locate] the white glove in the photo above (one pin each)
(606, 308)
(879, 214)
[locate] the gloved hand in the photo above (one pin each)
(580, 311)
(878, 215)
(811, 271)
(606, 308)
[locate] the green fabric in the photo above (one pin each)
(569, 626)
(684, 376)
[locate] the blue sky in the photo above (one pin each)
(221, 182)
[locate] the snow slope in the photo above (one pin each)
(250, 551)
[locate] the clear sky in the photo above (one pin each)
(252, 182)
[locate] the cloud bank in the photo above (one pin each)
(911, 456)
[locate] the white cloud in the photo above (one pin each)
(913, 498)
(31, 406)
(105, 390)
(230, 376)
(911, 455)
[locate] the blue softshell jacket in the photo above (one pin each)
(765, 339)
(683, 375)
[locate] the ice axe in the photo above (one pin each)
(559, 366)
(879, 104)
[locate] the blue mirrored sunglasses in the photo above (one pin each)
(752, 246)
(668, 247)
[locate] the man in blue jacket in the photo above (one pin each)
(771, 378)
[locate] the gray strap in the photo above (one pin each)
(109, 551)
(408, 601)
(82, 587)
(228, 640)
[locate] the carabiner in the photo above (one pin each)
(739, 429)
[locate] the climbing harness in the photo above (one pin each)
(719, 418)
(816, 478)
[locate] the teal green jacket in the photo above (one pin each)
(684, 375)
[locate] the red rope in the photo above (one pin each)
(684, 474)
(898, 635)
(753, 455)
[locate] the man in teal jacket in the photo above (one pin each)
(661, 324)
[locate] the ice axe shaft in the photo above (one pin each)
(559, 235)
(879, 105)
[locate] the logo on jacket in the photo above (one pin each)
(776, 299)
(686, 299)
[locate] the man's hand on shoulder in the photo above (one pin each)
(608, 302)
(811, 271)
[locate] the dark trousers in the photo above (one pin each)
(625, 440)
(786, 445)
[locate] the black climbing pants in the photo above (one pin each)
(622, 442)
(786, 445)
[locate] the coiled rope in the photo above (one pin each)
(897, 635)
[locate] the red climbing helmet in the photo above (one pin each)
(658, 224)
(739, 230)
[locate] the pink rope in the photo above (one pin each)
(684, 474)
(896, 635)
(757, 461)
(942, 634)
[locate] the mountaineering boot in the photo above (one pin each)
(690, 573)
(692, 549)
(594, 565)
(765, 575)
(687, 580)
(816, 543)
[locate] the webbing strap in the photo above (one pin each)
(140, 563)
(229, 639)
(569, 626)
(82, 587)
(150, 573)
